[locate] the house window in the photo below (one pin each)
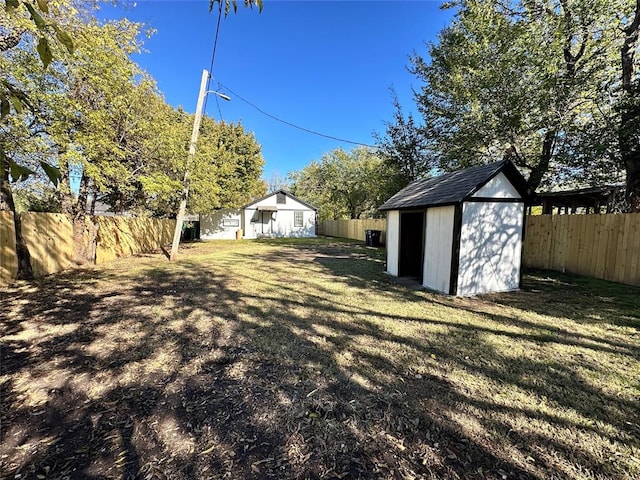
(281, 198)
(297, 219)
(230, 222)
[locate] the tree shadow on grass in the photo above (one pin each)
(277, 363)
(583, 299)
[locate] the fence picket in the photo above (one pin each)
(353, 229)
(8, 259)
(601, 246)
(49, 238)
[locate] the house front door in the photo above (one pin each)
(266, 222)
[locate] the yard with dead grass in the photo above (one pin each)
(302, 359)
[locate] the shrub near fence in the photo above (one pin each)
(49, 237)
(354, 229)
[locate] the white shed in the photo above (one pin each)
(460, 233)
(279, 214)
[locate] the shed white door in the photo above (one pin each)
(438, 247)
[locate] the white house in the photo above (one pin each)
(460, 233)
(222, 224)
(279, 214)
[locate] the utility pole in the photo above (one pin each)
(192, 151)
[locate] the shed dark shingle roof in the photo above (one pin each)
(455, 187)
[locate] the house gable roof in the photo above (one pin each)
(455, 187)
(290, 195)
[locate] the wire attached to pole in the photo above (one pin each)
(213, 54)
(313, 132)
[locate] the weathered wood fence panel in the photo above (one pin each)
(124, 236)
(601, 246)
(354, 229)
(49, 237)
(8, 259)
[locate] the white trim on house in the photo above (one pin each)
(263, 218)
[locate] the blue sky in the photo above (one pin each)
(323, 65)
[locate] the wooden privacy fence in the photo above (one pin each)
(8, 260)
(601, 246)
(124, 236)
(49, 237)
(354, 229)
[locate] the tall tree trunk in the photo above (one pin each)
(25, 272)
(540, 169)
(64, 187)
(92, 205)
(85, 232)
(629, 133)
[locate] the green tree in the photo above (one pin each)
(36, 195)
(95, 118)
(628, 105)
(229, 4)
(406, 148)
(518, 80)
(224, 173)
(91, 116)
(31, 20)
(344, 184)
(228, 160)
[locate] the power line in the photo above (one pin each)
(219, 109)
(213, 56)
(313, 132)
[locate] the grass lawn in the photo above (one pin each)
(302, 359)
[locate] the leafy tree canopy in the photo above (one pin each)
(224, 173)
(535, 81)
(344, 184)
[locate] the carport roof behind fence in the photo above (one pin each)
(455, 187)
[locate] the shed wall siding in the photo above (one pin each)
(498, 187)
(438, 246)
(211, 224)
(393, 241)
(490, 247)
